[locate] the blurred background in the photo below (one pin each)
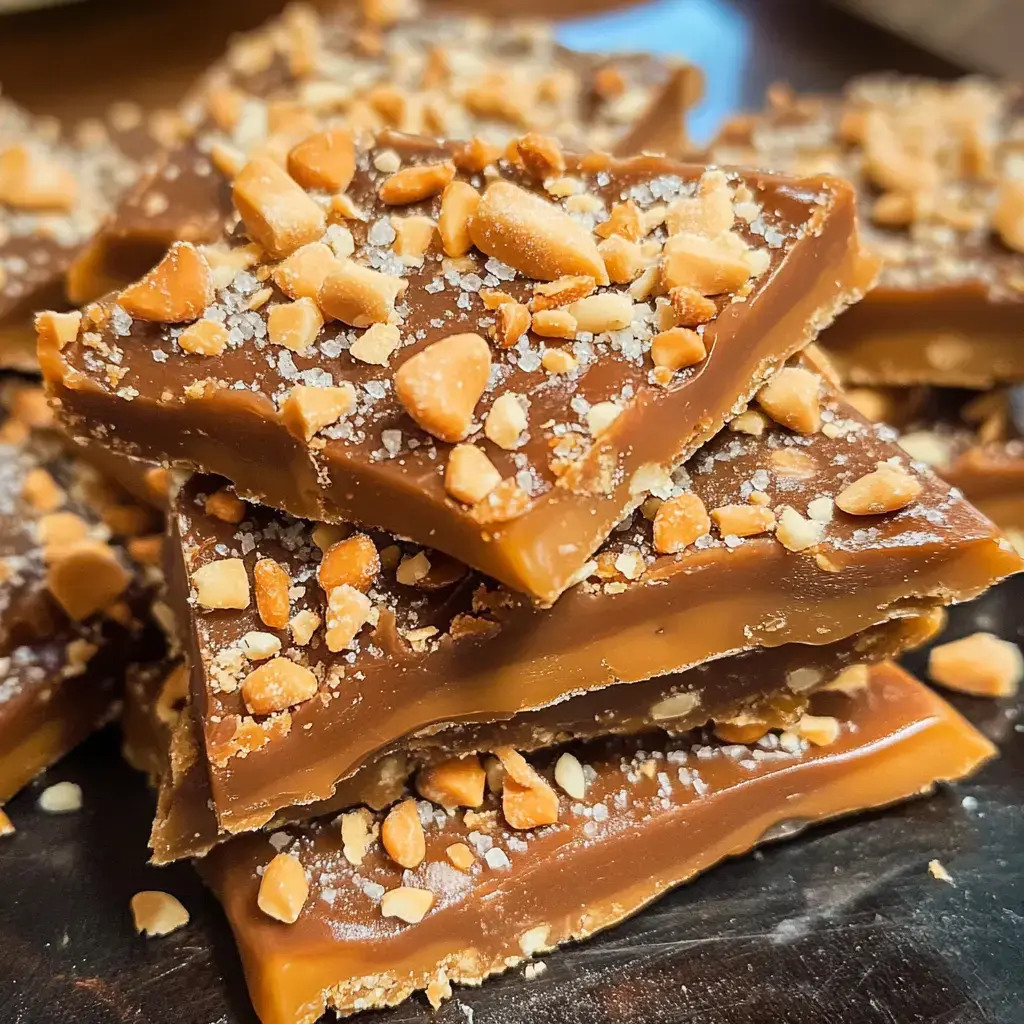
(76, 58)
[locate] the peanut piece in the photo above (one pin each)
(624, 260)
(678, 522)
(157, 913)
(41, 491)
(277, 684)
(303, 625)
(540, 155)
(376, 344)
(624, 221)
(818, 730)
(534, 236)
(1008, 217)
(470, 475)
(458, 204)
(677, 348)
(507, 501)
(513, 322)
(294, 325)
(457, 782)
(461, 856)
(691, 309)
(57, 330)
(749, 422)
(609, 311)
(601, 415)
(275, 210)
(743, 520)
(284, 889)
(325, 161)
(554, 323)
(59, 529)
(33, 180)
(358, 831)
(307, 410)
(562, 292)
(796, 533)
(791, 398)
(301, 275)
(258, 646)
(178, 288)
(707, 266)
(406, 903)
(271, 584)
(414, 184)
(569, 776)
(225, 505)
(558, 360)
(440, 386)
(85, 578)
(402, 835)
(981, 664)
(413, 237)
(204, 338)
(527, 801)
(475, 155)
(222, 583)
(505, 422)
(353, 561)
(347, 612)
(709, 213)
(888, 489)
(359, 296)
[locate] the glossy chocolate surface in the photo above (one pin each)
(949, 305)
(465, 649)
(655, 813)
(129, 384)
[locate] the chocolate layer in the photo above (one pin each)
(654, 814)
(594, 430)
(933, 164)
(427, 73)
(454, 646)
(744, 694)
(56, 187)
(73, 600)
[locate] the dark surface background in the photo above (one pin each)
(841, 926)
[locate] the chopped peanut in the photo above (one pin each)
(625, 221)
(749, 422)
(402, 835)
(302, 274)
(222, 583)
(57, 329)
(506, 421)
(358, 831)
(796, 533)
(534, 236)
(691, 309)
(284, 889)
(475, 155)
(540, 155)
(86, 577)
(147, 550)
(609, 311)
(353, 561)
(294, 325)
(470, 475)
(601, 415)
(407, 903)
(303, 625)
(458, 204)
(376, 345)
(678, 522)
(461, 856)
(204, 338)
(275, 210)
(457, 782)
(307, 410)
(178, 288)
(157, 913)
(818, 730)
(32, 180)
(624, 260)
(888, 489)
(513, 321)
(440, 386)
(677, 348)
(507, 501)
(277, 684)
(41, 491)
(414, 235)
(706, 265)
(1008, 217)
(348, 611)
(743, 520)
(271, 584)
(414, 184)
(791, 398)
(558, 360)
(324, 161)
(258, 646)
(569, 776)
(527, 800)
(412, 569)
(562, 292)
(709, 213)
(554, 323)
(225, 505)
(59, 529)
(981, 664)
(359, 296)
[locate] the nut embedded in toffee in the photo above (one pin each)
(334, 437)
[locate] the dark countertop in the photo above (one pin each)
(843, 925)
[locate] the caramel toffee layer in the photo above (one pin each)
(646, 814)
(435, 75)
(743, 695)
(939, 173)
(56, 187)
(380, 639)
(75, 568)
(517, 454)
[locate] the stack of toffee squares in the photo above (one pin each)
(524, 556)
